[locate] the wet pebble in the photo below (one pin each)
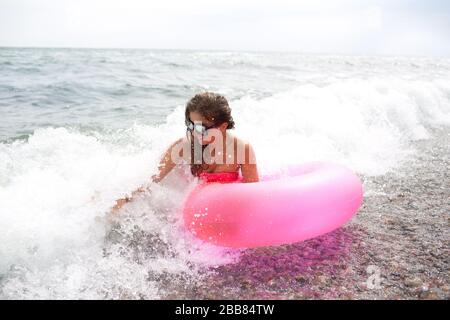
(413, 283)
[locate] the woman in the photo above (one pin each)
(213, 153)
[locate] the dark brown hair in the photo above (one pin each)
(213, 107)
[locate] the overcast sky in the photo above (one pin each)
(409, 27)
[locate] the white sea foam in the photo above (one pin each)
(56, 189)
(368, 125)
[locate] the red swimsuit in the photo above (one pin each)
(222, 177)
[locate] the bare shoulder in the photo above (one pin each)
(247, 160)
(244, 151)
(177, 148)
(180, 142)
(242, 143)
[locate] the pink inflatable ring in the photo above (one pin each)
(301, 203)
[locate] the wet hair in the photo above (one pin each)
(214, 107)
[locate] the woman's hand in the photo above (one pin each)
(112, 215)
(120, 203)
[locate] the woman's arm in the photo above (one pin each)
(249, 169)
(165, 166)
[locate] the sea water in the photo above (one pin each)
(80, 128)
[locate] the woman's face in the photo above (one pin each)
(207, 138)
